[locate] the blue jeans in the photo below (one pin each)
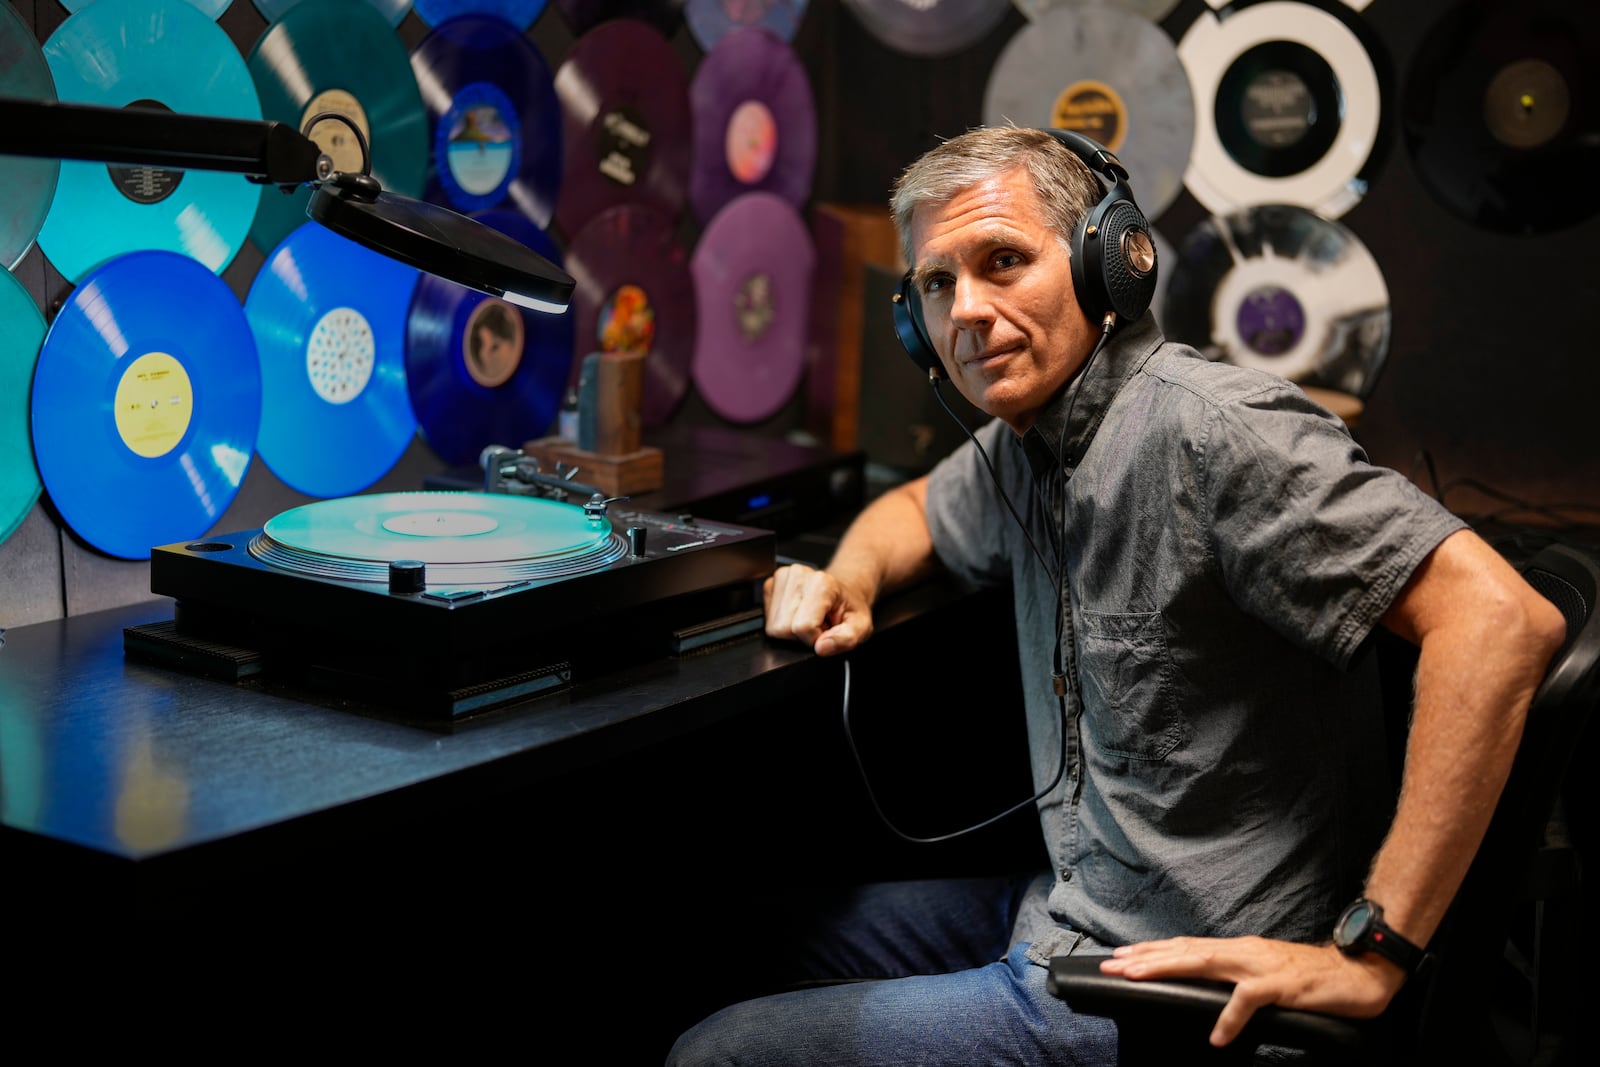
(908, 973)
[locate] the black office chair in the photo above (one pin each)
(1488, 997)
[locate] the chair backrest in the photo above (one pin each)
(1496, 896)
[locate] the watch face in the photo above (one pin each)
(1353, 924)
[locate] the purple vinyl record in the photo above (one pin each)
(752, 280)
(480, 370)
(634, 292)
(755, 124)
(493, 119)
(709, 20)
(625, 123)
(584, 15)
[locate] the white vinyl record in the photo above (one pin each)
(1256, 115)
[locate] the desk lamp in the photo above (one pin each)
(430, 238)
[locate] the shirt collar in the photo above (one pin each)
(1094, 388)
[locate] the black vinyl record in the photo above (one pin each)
(494, 121)
(755, 124)
(625, 124)
(1501, 114)
(482, 371)
(635, 293)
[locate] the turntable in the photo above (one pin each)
(441, 604)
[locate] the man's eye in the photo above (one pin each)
(1007, 260)
(935, 283)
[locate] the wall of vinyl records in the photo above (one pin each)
(1389, 201)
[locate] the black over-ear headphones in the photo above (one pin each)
(1113, 257)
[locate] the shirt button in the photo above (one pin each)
(1066, 875)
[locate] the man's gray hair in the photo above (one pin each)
(1062, 181)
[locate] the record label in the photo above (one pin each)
(22, 331)
(481, 370)
(752, 277)
(29, 183)
(329, 319)
(495, 118)
(492, 344)
(634, 293)
(929, 28)
(625, 123)
(147, 53)
(710, 20)
(1093, 109)
(306, 73)
(1109, 74)
(1287, 107)
(755, 124)
(1281, 289)
(145, 403)
(154, 402)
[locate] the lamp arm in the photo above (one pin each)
(268, 152)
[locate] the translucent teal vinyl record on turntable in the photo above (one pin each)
(339, 57)
(29, 184)
(329, 319)
(164, 55)
(145, 404)
(21, 333)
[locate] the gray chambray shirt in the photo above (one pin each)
(1229, 550)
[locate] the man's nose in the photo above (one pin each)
(971, 307)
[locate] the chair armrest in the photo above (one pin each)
(1187, 1008)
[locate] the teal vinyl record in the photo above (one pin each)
(21, 333)
(479, 370)
(518, 13)
(212, 9)
(164, 55)
(339, 57)
(29, 184)
(329, 320)
(393, 10)
(145, 405)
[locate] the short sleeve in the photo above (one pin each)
(966, 517)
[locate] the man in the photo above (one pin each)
(1224, 551)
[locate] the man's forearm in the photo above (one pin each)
(888, 546)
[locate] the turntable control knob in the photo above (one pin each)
(636, 540)
(407, 576)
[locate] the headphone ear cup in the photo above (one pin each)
(1114, 260)
(909, 328)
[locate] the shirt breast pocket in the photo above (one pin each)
(1125, 671)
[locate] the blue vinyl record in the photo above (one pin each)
(159, 54)
(212, 9)
(329, 319)
(29, 183)
(21, 333)
(393, 10)
(494, 120)
(146, 401)
(339, 58)
(519, 13)
(709, 19)
(481, 371)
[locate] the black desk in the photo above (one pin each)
(251, 827)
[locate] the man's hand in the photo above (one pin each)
(813, 606)
(1310, 977)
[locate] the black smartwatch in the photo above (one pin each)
(1361, 929)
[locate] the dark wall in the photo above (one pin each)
(1490, 370)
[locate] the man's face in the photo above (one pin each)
(997, 299)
